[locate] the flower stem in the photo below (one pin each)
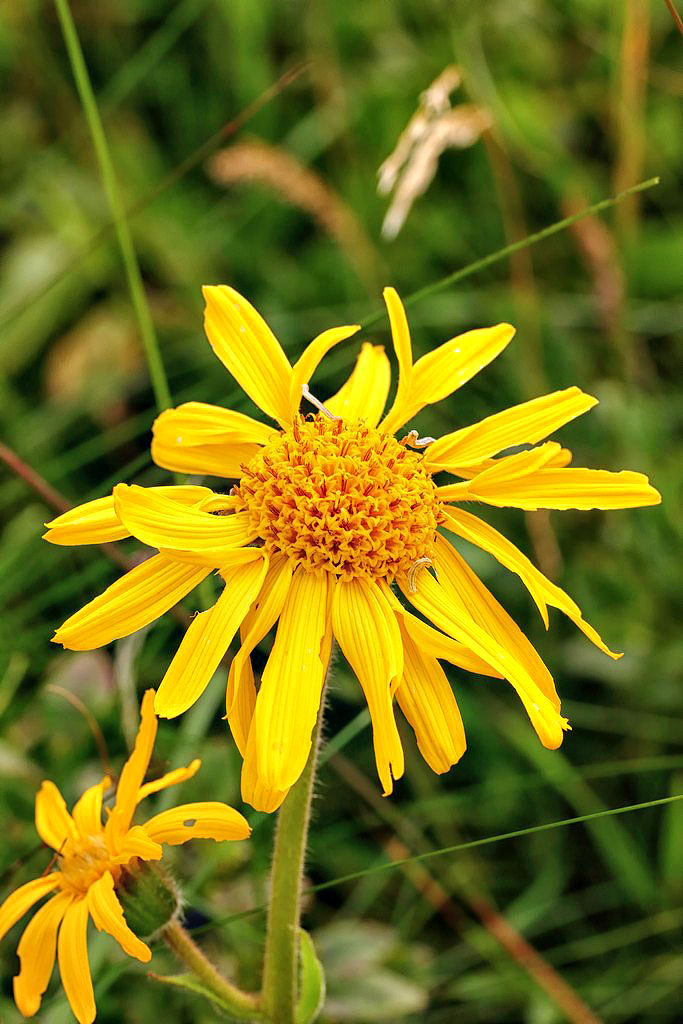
(241, 1005)
(281, 962)
(157, 373)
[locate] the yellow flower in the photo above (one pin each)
(328, 513)
(92, 860)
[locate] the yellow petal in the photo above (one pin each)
(172, 778)
(570, 488)
(426, 699)
(363, 396)
(291, 684)
(134, 771)
(23, 898)
(206, 439)
(223, 460)
(261, 617)
(464, 586)
(522, 424)
(87, 812)
(36, 950)
(504, 473)
(441, 371)
(400, 336)
(207, 639)
(437, 604)
(438, 645)
(74, 966)
(135, 600)
(306, 365)
(367, 632)
(54, 824)
(543, 591)
(96, 522)
(249, 350)
(163, 523)
(137, 843)
(208, 820)
(260, 797)
(243, 703)
(107, 915)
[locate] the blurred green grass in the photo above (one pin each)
(586, 100)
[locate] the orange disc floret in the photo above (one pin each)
(341, 497)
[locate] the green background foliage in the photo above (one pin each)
(585, 99)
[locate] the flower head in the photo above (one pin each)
(93, 863)
(332, 518)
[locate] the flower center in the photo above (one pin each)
(84, 862)
(341, 497)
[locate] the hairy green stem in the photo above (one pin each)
(242, 1005)
(79, 68)
(281, 962)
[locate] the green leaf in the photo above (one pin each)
(311, 981)
(190, 983)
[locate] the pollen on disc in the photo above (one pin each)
(341, 497)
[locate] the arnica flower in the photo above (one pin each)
(92, 862)
(329, 512)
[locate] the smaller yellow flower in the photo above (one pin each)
(93, 859)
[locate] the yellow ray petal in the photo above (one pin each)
(438, 605)
(306, 365)
(135, 600)
(261, 617)
(87, 812)
(260, 797)
(241, 711)
(367, 632)
(74, 966)
(400, 336)
(438, 645)
(505, 472)
(23, 898)
(36, 950)
(172, 778)
(207, 639)
(54, 824)
(137, 843)
(564, 489)
(163, 523)
(107, 915)
(522, 424)
(196, 423)
(441, 371)
(363, 396)
(96, 522)
(249, 350)
(543, 591)
(206, 820)
(133, 772)
(426, 699)
(464, 586)
(223, 460)
(206, 439)
(291, 684)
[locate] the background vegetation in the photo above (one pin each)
(585, 100)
